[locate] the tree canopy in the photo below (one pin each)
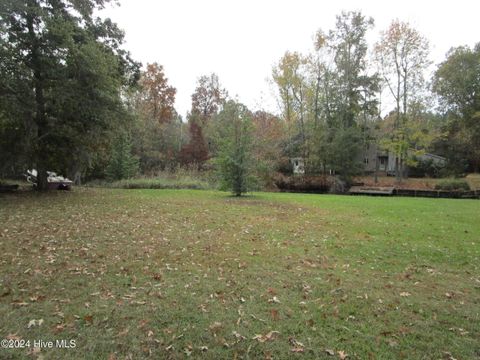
(61, 80)
(457, 82)
(72, 100)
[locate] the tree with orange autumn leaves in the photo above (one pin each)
(156, 97)
(158, 130)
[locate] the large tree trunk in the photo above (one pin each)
(42, 183)
(398, 155)
(40, 117)
(402, 168)
(317, 110)
(397, 169)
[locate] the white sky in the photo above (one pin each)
(241, 40)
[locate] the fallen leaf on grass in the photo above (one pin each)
(274, 314)
(188, 350)
(58, 328)
(298, 347)
(123, 333)
(268, 337)
(34, 322)
(215, 327)
(462, 332)
(392, 343)
(272, 291)
(342, 355)
(157, 277)
(238, 336)
(330, 352)
(449, 356)
(142, 324)
(405, 294)
(36, 298)
(13, 337)
(35, 351)
(256, 318)
(20, 303)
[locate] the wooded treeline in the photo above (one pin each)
(74, 101)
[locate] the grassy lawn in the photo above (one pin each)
(133, 274)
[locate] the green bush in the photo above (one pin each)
(426, 168)
(452, 184)
(180, 179)
(314, 184)
(158, 184)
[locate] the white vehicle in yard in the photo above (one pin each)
(55, 182)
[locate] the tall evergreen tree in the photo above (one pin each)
(123, 164)
(235, 160)
(352, 83)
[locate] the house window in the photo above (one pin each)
(365, 160)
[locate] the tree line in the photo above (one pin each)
(74, 101)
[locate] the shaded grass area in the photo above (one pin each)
(172, 274)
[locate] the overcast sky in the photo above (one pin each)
(241, 40)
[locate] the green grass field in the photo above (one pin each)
(132, 274)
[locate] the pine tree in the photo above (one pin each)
(122, 163)
(235, 160)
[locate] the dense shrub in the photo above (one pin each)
(180, 179)
(452, 184)
(426, 168)
(315, 184)
(158, 184)
(285, 166)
